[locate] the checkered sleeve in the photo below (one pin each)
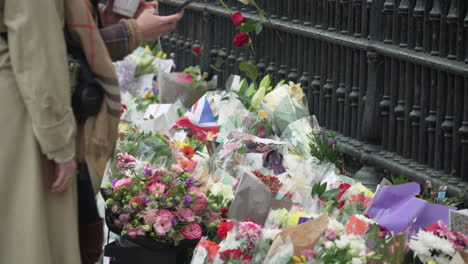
(117, 40)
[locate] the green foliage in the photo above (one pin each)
(151, 147)
(399, 180)
(437, 193)
(323, 147)
(249, 69)
(248, 26)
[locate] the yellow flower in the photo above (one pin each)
(211, 136)
(147, 49)
(263, 114)
(296, 91)
(123, 127)
(299, 260)
(180, 145)
(363, 189)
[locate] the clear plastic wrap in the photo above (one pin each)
(178, 86)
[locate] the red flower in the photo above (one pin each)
(231, 254)
(123, 109)
(342, 203)
(237, 19)
(247, 259)
(224, 212)
(433, 228)
(196, 50)
(344, 187)
(224, 228)
(138, 201)
(241, 39)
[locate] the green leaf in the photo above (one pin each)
(330, 194)
(258, 28)
(249, 69)
(248, 26)
(251, 91)
(242, 86)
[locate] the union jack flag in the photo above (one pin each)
(199, 119)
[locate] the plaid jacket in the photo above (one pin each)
(121, 39)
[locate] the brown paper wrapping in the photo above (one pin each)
(304, 236)
(460, 258)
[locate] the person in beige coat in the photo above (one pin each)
(37, 169)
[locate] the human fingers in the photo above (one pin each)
(173, 18)
(60, 180)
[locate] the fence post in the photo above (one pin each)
(370, 126)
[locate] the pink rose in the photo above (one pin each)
(192, 231)
(162, 226)
(124, 218)
(156, 188)
(135, 231)
(164, 213)
(122, 183)
(177, 168)
(185, 214)
(331, 234)
(199, 203)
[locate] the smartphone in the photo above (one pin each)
(179, 8)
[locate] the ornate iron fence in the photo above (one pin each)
(390, 77)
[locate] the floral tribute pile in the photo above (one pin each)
(250, 177)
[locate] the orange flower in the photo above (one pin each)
(211, 247)
(186, 165)
(188, 151)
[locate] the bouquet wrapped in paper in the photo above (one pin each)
(187, 87)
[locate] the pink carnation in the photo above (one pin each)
(250, 231)
(122, 183)
(156, 188)
(192, 231)
(199, 203)
(185, 214)
(124, 218)
(135, 231)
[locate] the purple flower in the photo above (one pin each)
(190, 181)
(114, 181)
(187, 200)
(174, 222)
(261, 131)
(148, 171)
(331, 143)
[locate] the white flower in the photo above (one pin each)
(223, 190)
(328, 244)
(424, 242)
(277, 217)
(365, 219)
(342, 243)
(270, 232)
(357, 261)
(335, 225)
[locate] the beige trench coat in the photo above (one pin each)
(37, 125)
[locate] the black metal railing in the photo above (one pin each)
(390, 77)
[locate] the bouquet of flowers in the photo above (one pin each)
(437, 243)
(160, 205)
(343, 249)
